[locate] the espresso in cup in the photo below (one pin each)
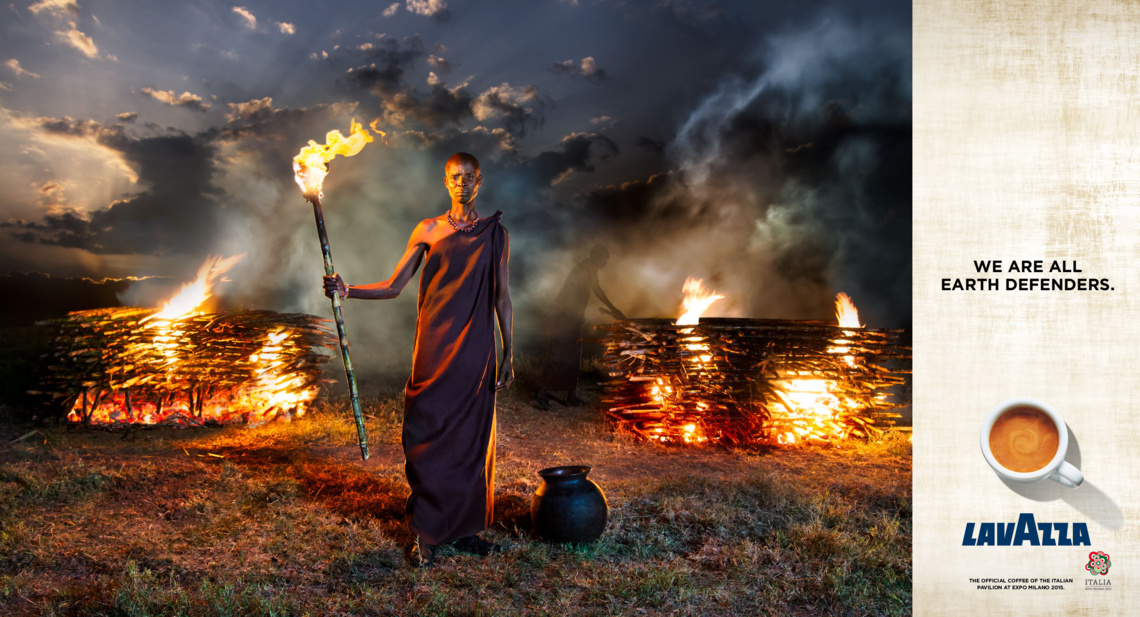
(1024, 439)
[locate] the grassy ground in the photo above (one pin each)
(286, 520)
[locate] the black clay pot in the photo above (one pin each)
(568, 507)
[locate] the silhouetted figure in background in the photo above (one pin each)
(564, 328)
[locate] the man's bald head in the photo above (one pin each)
(462, 157)
(462, 177)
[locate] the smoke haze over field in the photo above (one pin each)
(786, 185)
(766, 150)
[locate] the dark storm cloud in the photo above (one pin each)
(440, 106)
(384, 74)
(176, 213)
(517, 109)
(495, 143)
(111, 136)
(566, 67)
(381, 80)
(650, 144)
(254, 111)
(67, 228)
(578, 152)
(529, 177)
(258, 117)
(630, 202)
(382, 66)
(520, 108)
(587, 69)
(439, 63)
(692, 10)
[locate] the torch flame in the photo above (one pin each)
(697, 301)
(310, 165)
(193, 294)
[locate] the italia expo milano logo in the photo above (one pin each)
(1097, 568)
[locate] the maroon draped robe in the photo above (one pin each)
(449, 401)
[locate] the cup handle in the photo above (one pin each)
(1067, 475)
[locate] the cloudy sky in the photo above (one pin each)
(763, 146)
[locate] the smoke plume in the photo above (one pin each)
(789, 185)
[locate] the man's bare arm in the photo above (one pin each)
(392, 286)
(606, 301)
(505, 314)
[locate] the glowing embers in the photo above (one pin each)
(179, 365)
(208, 368)
(751, 382)
(666, 397)
(812, 408)
(276, 386)
(165, 324)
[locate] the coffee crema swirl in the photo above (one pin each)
(1024, 439)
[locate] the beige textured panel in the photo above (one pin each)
(1027, 146)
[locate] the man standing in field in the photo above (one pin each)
(564, 329)
(449, 400)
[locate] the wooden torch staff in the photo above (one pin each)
(348, 371)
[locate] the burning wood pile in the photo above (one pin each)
(180, 366)
(747, 382)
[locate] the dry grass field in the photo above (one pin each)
(286, 519)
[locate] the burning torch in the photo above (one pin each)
(310, 168)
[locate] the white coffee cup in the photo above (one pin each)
(1056, 469)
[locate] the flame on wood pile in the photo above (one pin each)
(746, 382)
(129, 366)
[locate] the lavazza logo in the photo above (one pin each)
(1097, 568)
(1026, 531)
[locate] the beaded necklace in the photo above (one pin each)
(465, 229)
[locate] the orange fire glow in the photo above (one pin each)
(697, 301)
(274, 392)
(276, 389)
(808, 408)
(310, 166)
(194, 293)
(848, 317)
(812, 405)
(846, 312)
